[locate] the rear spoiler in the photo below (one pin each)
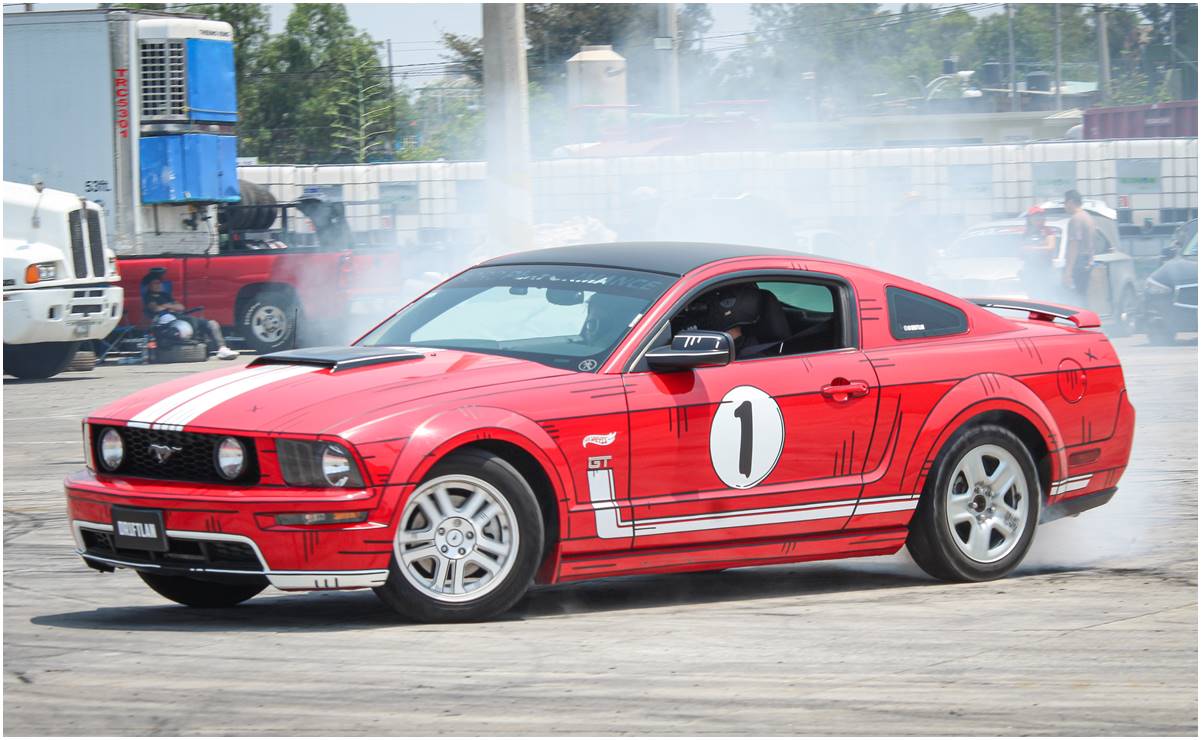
(1082, 318)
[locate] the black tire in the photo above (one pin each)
(930, 540)
(267, 321)
(193, 352)
(84, 361)
(399, 594)
(1124, 315)
(202, 594)
(1161, 333)
(38, 360)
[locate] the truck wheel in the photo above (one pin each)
(977, 516)
(201, 594)
(38, 360)
(467, 543)
(268, 321)
(1161, 332)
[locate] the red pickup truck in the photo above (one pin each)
(263, 291)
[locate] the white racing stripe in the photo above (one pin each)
(177, 418)
(609, 524)
(177, 410)
(1067, 485)
(144, 418)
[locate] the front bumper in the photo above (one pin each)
(69, 314)
(232, 535)
(1176, 311)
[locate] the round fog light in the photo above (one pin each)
(335, 465)
(230, 458)
(112, 449)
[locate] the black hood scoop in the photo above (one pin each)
(339, 358)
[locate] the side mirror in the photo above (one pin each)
(691, 349)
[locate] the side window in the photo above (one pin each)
(912, 316)
(769, 318)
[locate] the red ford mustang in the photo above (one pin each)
(593, 411)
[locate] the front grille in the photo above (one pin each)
(188, 553)
(75, 222)
(1186, 295)
(96, 243)
(164, 90)
(191, 461)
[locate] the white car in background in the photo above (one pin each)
(989, 260)
(59, 279)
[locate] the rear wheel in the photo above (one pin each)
(201, 594)
(467, 543)
(38, 360)
(268, 321)
(977, 516)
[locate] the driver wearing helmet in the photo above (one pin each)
(733, 310)
(162, 307)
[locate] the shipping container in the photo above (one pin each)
(133, 109)
(1156, 120)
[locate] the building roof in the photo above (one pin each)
(667, 258)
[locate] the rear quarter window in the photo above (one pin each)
(913, 316)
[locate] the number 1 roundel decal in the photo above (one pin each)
(747, 437)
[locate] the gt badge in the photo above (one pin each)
(747, 437)
(600, 440)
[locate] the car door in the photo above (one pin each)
(760, 448)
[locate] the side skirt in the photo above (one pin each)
(863, 543)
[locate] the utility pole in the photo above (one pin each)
(506, 115)
(1058, 60)
(1015, 103)
(1103, 42)
(667, 49)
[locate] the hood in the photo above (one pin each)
(321, 392)
(1176, 271)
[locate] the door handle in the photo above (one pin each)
(841, 389)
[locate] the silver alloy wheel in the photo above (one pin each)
(987, 503)
(457, 538)
(269, 324)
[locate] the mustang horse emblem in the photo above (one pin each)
(163, 453)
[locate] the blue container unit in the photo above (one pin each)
(188, 168)
(196, 167)
(212, 88)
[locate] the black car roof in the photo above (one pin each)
(667, 258)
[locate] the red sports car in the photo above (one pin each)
(592, 411)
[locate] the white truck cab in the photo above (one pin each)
(59, 279)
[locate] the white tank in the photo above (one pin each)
(596, 76)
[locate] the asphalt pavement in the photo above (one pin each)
(1096, 634)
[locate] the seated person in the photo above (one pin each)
(734, 310)
(160, 301)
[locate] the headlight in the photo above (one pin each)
(112, 449)
(316, 463)
(41, 271)
(230, 458)
(1154, 287)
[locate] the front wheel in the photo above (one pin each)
(467, 543)
(201, 594)
(980, 507)
(38, 360)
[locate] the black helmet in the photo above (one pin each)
(735, 306)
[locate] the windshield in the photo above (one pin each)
(559, 315)
(1190, 249)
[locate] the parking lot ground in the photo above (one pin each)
(1096, 634)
